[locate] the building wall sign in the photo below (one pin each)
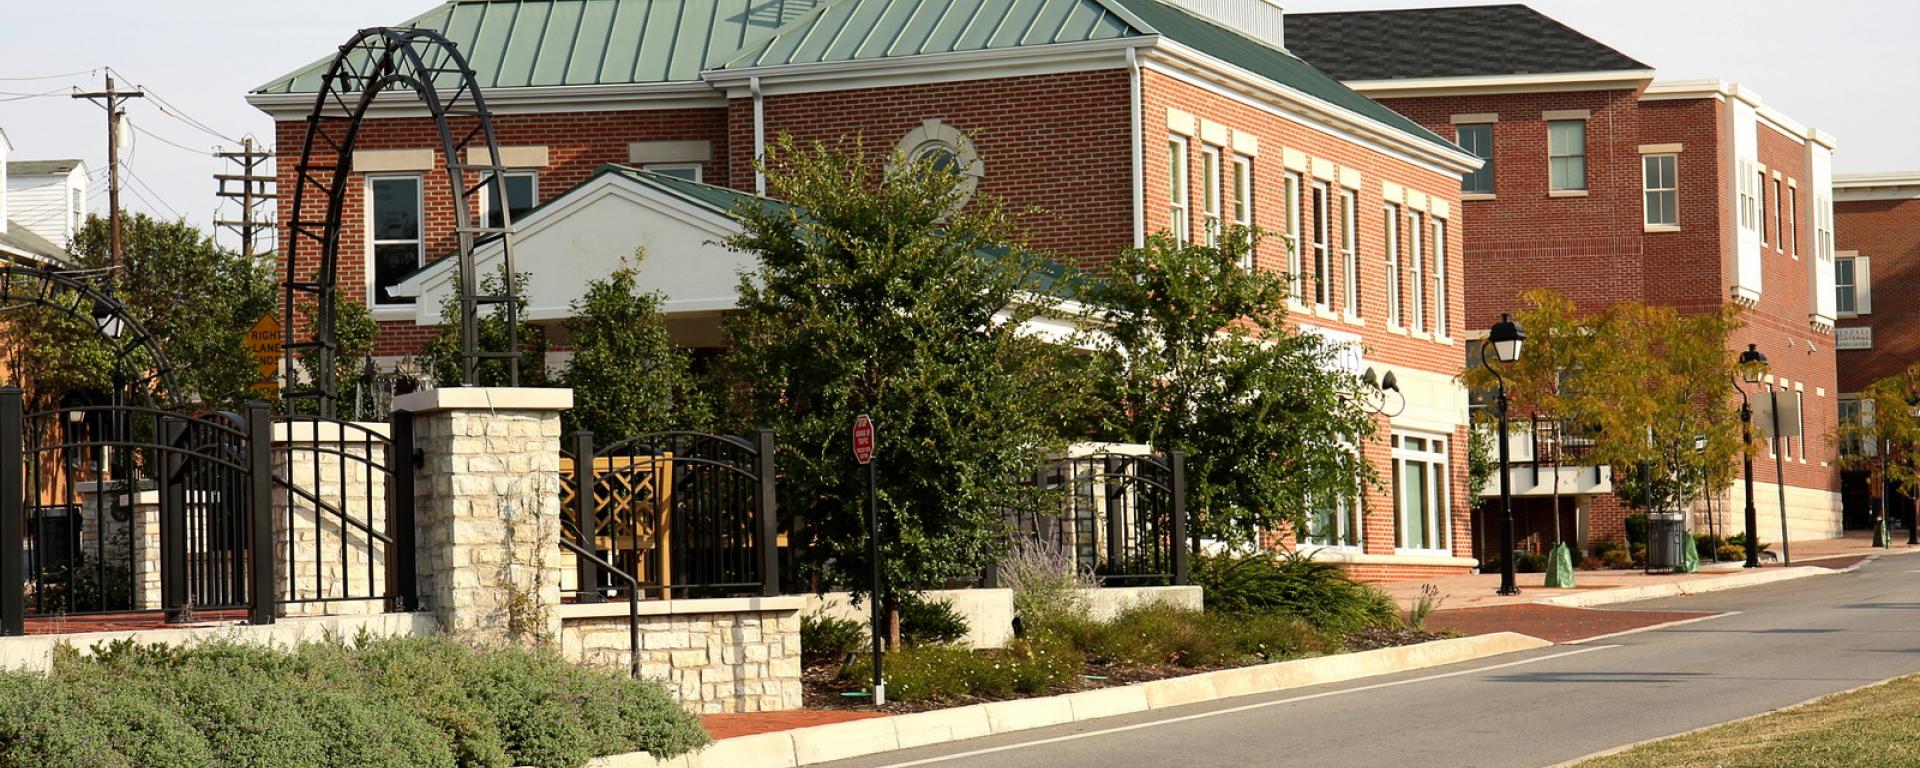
(1853, 338)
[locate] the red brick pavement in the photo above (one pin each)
(123, 622)
(1551, 622)
(747, 724)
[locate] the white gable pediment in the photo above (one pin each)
(593, 230)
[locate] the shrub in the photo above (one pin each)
(829, 640)
(1295, 585)
(1706, 545)
(400, 703)
(1636, 529)
(1530, 562)
(1601, 548)
(1740, 540)
(1046, 583)
(942, 672)
(1732, 552)
(1158, 633)
(1617, 558)
(927, 622)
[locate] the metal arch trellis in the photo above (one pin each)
(136, 356)
(374, 61)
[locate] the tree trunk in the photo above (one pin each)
(893, 622)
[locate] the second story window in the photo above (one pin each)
(1416, 275)
(523, 193)
(1296, 287)
(684, 171)
(1210, 194)
(1350, 250)
(1662, 190)
(1779, 216)
(1478, 139)
(1393, 264)
(1760, 199)
(1177, 221)
(1243, 199)
(1440, 328)
(1793, 220)
(1852, 286)
(393, 224)
(1567, 155)
(1747, 208)
(1322, 246)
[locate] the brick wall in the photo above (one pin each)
(1887, 232)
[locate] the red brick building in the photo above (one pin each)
(1876, 219)
(1607, 185)
(1116, 117)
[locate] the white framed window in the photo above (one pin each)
(1350, 251)
(1295, 269)
(1422, 519)
(395, 247)
(1416, 270)
(1567, 155)
(1849, 412)
(1477, 139)
(1793, 220)
(686, 171)
(1800, 416)
(1210, 194)
(1178, 220)
(1322, 245)
(1393, 264)
(1749, 218)
(1779, 216)
(1773, 442)
(1822, 227)
(523, 193)
(1852, 286)
(1335, 525)
(1760, 199)
(1243, 200)
(1660, 181)
(1440, 323)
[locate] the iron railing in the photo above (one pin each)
(1122, 516)
(344, 504)
(685, 513)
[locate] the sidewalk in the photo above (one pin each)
(1479, 590)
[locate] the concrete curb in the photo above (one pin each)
(1682, 588)
(839, 741)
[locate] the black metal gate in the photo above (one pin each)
(126, 509)
(684, 513)
(1122, 516)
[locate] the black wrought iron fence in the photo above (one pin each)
(343, 507)
(1121, 516)
(685, 513)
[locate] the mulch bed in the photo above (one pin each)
(1554, 623)
(824, 686)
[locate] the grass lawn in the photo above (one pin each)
(1878, 726)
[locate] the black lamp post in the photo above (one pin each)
(1752, 365)
(1505, 338)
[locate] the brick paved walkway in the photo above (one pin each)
(748, 724)
(124, 622)
(1551, 622)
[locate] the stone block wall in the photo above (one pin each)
(733, 655)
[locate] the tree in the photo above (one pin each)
(1882, 439)
(1557, 338)
(1199, 358)
(627, 374)
(879, 293)
(197, 299)
(1657, 387)
(442, 360)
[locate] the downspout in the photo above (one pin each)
(1139, 160)
(759, 136)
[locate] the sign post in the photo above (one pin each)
(863, 439)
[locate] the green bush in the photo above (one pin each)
(829, 640)
(1316, 591)
(1530, 562)
(1601, 548)
(1617, 558)
(1706, 544)
(1046, 583)
(943, 672)
(1740, 540)
(1157, 633)
(400, 703)
(1636, 529)
(1733, 552)
(929, 622)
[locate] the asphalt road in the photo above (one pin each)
(1781, 644)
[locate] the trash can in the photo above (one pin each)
(1666, 542)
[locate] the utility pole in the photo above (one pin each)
(113, 98)
(255, 190)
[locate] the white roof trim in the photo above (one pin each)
(1608, 80)
(1711, 88)
(1872, 180)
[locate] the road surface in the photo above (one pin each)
(1778, 645)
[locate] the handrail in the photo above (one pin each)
(633, 601)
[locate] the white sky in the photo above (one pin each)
(1848, 67)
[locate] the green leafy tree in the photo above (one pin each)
(197, 299)
(627, 374)
(879, 293)
(353, 332)
(1199, 358)
(1882, 439)
(441, 358)
(1537, 383)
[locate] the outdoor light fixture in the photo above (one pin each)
(107, 319)
(1505, 338)
(1753, 366)
(1374, 396)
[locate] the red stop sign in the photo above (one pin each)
(862, 439)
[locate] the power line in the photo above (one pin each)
(169, 142)
(22, 96)
(89, 72)
(174, 111)
(142, 184)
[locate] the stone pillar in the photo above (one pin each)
(487, 510)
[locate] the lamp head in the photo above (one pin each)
(1389, 383)
(1753, 364)
(1506, 337)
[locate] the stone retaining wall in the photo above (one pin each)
(724, 655)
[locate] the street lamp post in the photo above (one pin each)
(1752, 364)
(1505, 338)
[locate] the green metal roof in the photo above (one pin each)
(1267, 61)
(853, 30)
(514, 43)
